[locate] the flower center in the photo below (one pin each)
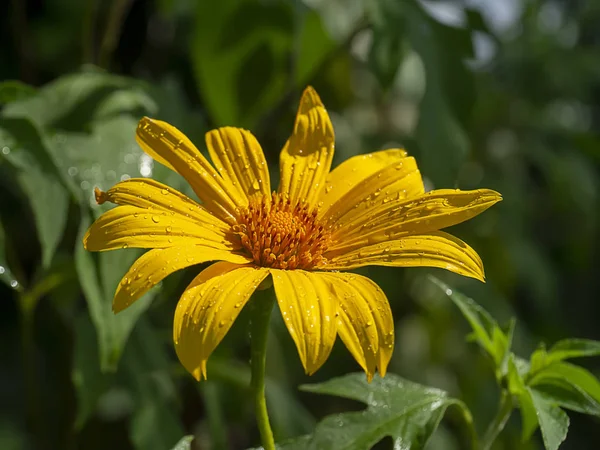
(281, 235)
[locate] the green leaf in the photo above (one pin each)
(315, 44)
(573, 348)
(239, 55)
(517, 387)
(70, 100)
(486, 331)
(14, 90)
(289, 417)
(406, 411)
(35, 172)
(155, 422)
(106, 155)
(554, 422)
(449, 97)
(6, 275)
(89, 381)
(565, 349)
(575, 375)
(568, 396)
(99, 275)
(185, 443)
(386, 54)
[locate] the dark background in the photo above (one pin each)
(484, 93)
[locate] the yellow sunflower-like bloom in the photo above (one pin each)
(370, 210)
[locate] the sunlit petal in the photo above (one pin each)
(308, 306)
(153, 266)
(352, 171)
(365, 321)
(171, 147)
(128, 226)
(436, 249)
(306, 157)
(208, 308)
(396, 182)
(396, 218)
(150, 194)
(239, 159)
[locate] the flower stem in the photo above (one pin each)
(497, 425)
(262, 304)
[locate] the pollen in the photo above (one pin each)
(281, 235)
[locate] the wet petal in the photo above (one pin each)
(436, 249)
(396, 182)
(308, 306)
(352, 171)
(153, 266)
(239, 159)
(365, 321)
(149, 193)
(208, 308)
(396, 218)
(306, 157)
(171, 147)
(128, 226)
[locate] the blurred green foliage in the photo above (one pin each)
(484, 93)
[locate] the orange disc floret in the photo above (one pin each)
(280, 235)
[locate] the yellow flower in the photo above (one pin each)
(370, 210)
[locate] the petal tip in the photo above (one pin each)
(100, 195)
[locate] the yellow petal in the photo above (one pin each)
(171, 147)
(308, 306)
(306, 157)
(349, 173)
(435, 249)
(239, 159)
(128, 226)
(365, 321)
(390, 220)
(208, 308)
(153, 266)
(149, 193)
(395, 182)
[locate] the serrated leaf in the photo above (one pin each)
(185, 443)
(406, 411)
(99, 287)
(554, 422)
(35, 172)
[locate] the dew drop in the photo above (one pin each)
(155, 219)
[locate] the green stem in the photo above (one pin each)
(497, 425)
(262, 304)
(112, 32)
